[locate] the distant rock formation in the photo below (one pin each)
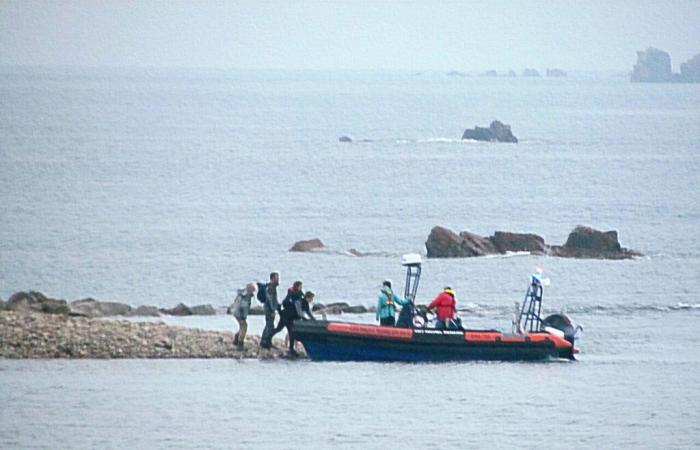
(92, 308)
(489, 73)
(690, 70)
(308, 246)
(556, 73)
(347, 139)
(653, 66)
(33, 301)
(511, 73)
(179, 310)
(531, 73)
(496, 132)
(586, 242)
(456, 73)
(583, 242)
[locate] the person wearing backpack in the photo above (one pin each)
(240, 309)
(270, 307)
(386, 305)
(295, 306)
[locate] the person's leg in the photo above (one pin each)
(290, 333)
(242, 332)
(266, 339)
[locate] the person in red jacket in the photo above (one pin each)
(445, 305)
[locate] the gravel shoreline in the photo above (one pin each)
(32, 335)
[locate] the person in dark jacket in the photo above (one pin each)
(270, 307)
(294, 307)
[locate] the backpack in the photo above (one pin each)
(262, 293)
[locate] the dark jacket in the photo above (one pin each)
(271, 302)
(294, 306)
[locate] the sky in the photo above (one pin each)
(318, 35)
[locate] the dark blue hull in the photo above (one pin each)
(331, 341)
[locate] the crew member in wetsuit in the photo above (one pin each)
(295, 306)
(386, 305)
(446, 305)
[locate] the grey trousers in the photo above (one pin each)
(266, 338)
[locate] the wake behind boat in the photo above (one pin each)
(531, 339)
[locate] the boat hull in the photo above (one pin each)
(339, 341)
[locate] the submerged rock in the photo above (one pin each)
(496, 132)
(347, 139)
(653, 65)
(308, 246)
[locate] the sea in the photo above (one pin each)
(160, 186)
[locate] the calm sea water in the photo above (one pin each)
(155, 187)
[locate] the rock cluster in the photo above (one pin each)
(29, 334)
(654, 66)
(583, 242)
(339, 308)
(33, 301)
(496, 132)
(555, 73)
(531, 73)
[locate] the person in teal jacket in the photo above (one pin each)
(386, 305)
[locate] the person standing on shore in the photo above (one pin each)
(270, 307)
(240, 310)
(386, 305)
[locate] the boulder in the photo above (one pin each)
(308, 246)
(518, 242)
(90, 307)
(2, 304)
(496, 132)
(180, 310)
(555, 73)
(347, 139)
(653, 66)
(203, 310)
(586, 242)
(531, 73)
(36, 302)
(690, 70)
(489, 73)
(444, 243)
(144, 311)
(357, 309)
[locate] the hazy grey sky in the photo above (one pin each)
(470, 35)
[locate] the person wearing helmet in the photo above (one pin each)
(445, 305)
(386, 305)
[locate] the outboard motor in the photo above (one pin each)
(563, 323)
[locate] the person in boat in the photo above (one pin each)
(445, 305)
(295, 306)
(270, 308)
(240, 309)
(386, 305)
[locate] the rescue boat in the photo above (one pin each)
(531, 338)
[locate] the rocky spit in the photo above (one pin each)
(28, 334)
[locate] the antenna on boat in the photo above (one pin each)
(413, 264)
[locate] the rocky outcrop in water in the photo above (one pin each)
(33, 301)
(654, 66)
(690, 70)
(308, 246)
(556, 73)
(90, 307)
(583, 242)
(346, 139)
(496, 132)
(339, 308)
(531, 73)
(27, 334)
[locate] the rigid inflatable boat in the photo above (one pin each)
(531, 339)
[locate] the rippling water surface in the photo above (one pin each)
(155, 187)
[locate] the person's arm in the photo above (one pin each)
(380, 303)
(401, 301)
(307, 309)
(433, 304)
(299, 309)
